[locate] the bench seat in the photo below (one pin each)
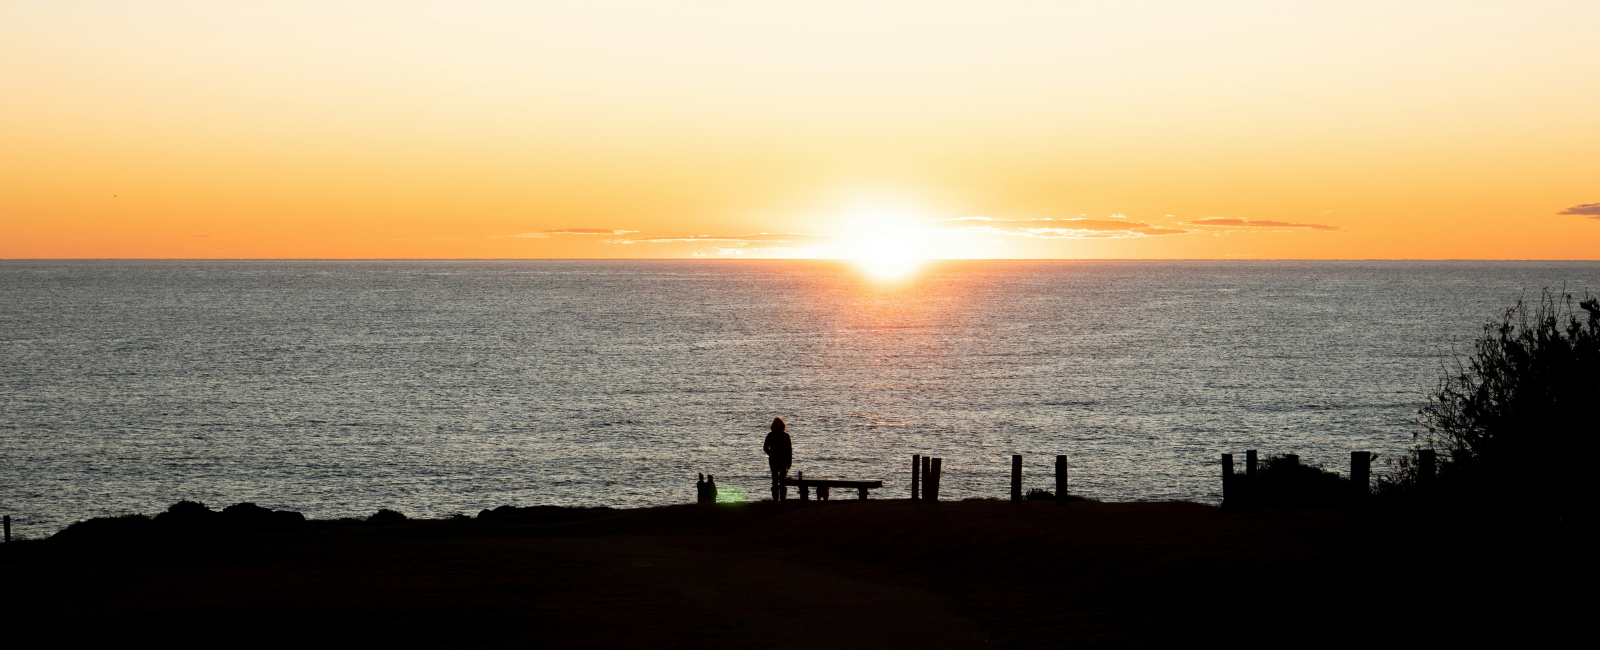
(822, 485)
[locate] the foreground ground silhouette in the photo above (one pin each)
(878, 574)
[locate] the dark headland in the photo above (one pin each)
(888, 573)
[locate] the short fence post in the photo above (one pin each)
(1016, 478)
(1427, 463)
(1360, 473)
(8, 529)
(916, 476)
(927, 478)
(932, 492)
(1227, 479)
(1252, 487)
(1061, 480)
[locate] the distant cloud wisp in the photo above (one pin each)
(1064, 228)
(765, 237)
(544, 234)
(1251, 223)
(1591, 209)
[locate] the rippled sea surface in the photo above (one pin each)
(337, 388)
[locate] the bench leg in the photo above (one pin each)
(822, 493)
(861, 493)
(805, 493)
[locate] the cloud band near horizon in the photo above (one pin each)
(1591, 210)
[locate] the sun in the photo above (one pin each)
(888, 256)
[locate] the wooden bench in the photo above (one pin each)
(822, 485)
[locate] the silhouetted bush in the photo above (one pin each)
(187, 515)
(99, 528)
(386, 516)
(247, 515)
(252, 516)
(1517, 419)
(183, 518)
(1040, 494)
(1282, 482)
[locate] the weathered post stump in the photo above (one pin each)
(927, 478)
(934, 471)
(1252, 487)
(1016, 478)
(1061, 479)
(1360, 474)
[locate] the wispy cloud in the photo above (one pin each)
(543, 234)
(1063, 228)
(1221, 222)
(762, 237)
(1592, 209)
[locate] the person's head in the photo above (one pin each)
(777, 424)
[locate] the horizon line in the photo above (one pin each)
(788, 259)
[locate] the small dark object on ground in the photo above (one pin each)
(386, 516)
(541, 514)
(513, 511)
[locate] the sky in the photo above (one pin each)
(864, 129)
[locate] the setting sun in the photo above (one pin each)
(889, 256)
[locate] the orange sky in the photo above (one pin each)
(359, 129)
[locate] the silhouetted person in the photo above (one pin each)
(780, 453)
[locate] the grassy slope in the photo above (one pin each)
(785, 575)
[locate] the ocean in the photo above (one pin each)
(435, 387)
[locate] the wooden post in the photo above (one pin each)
(1427, 463)
(1016, 478)
(933, 485)
(1227, 479)
(927, 478)
(8, 529)
(916, 476)
(1252, 487)
(1061, 480)
(1360, 473)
